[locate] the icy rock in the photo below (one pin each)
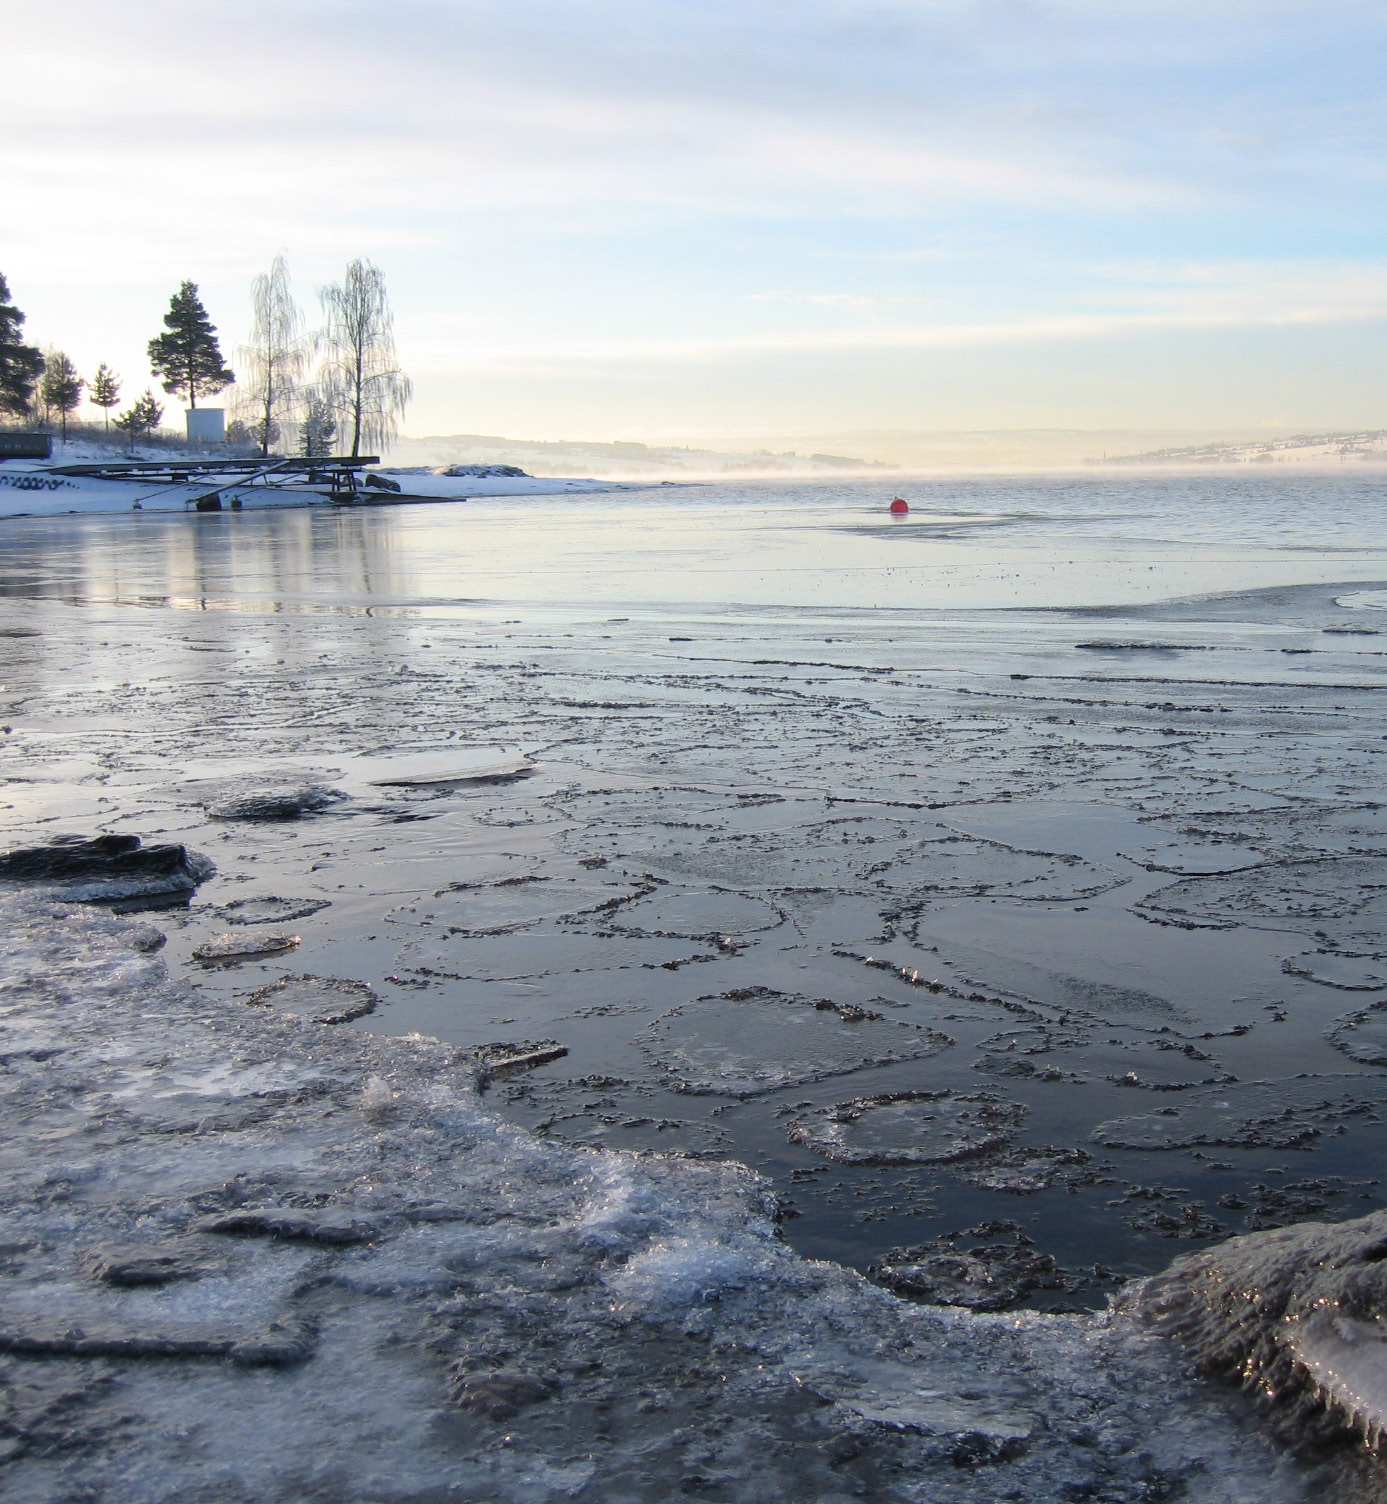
(689, 1270)
(107, 869)
(311, 1224)
(523, 1055)
(320, 1000)
(908, 1127)
(500, 1395)
(901, 1398)
(57, 1337)
(148, 1264)
(1296, 1314)
(241, 947)
(252, 801)
(144, 937)
(483, 472)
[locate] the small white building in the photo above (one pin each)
(206, 425)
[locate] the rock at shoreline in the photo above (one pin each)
(245, 800)
(485, 472)
(134, 1264)
(1295, 1315)
(107, 869)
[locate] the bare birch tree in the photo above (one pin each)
(360, 374)
(274, 360)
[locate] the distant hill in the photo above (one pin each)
(618, 461)
(1369, 445)
(883, 451)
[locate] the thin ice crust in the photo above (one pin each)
(219, 1224)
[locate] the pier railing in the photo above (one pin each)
(338, 475)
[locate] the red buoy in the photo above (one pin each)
(900, 506)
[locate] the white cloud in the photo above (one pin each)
(1225, 296)
(562, 187)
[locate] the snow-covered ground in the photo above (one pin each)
(31, 488)
(443, 487)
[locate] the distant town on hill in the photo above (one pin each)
(1300, 449)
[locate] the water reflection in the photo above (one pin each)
(970, 543)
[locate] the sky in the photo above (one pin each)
(703, 221)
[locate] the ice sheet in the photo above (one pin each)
(350, 1259)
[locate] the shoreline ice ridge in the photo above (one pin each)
(219, 1223)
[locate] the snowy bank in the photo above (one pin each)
(34, 489)
(458, 485)
(251, 1258)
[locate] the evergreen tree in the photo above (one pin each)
(187, 357)
(361, 373)
(60, 390)
(318, 428)
(105, 391)
(143, 417)
(262, 433)
(20, 364)
(274, 360)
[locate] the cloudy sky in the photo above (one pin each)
(699, 219)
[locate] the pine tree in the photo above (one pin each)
(60, 390)
(105, 391)
(187, 358)
(142, 417)
(275, 358)
(317, 430)
(361, 372)
(20, 364)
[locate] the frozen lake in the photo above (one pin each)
(973, 542)
(1008, 877)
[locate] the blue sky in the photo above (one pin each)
(667, 220)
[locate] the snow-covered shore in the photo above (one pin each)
(34, 489)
